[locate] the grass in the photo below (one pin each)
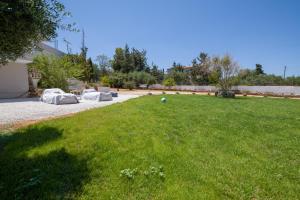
(192, 147)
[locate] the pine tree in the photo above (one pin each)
(259, 69)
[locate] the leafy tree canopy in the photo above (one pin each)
(126, 60)
(25, 23)
(259, 69)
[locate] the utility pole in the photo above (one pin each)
(83, 40)
(68, 47)
(284, 72)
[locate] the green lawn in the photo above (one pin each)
(192, 147)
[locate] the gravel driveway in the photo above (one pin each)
(28, 109)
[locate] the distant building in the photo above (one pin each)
(14, 77)
(187, 68)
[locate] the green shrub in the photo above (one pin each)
(129, 85)
(169, 82)
(225, 94)
(53, 75)
(105, 81)
(141, 78)
(117, 79)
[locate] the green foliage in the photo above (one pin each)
(117, 79)
(152, 172)
(104, 65)
(91, 71)
(105, 81)
(225, 94)
(214, 76)
(24, 24)
(129, 85)
(200, 72)
(129, 173)
(88, 71)
(141, 77)
(126, 61)
(180, 77)
(71, 68)
(157, 74)
(55, 71)
(228, 70)
(259, 69)
(169, 82)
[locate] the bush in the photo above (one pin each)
(180, 78)
(129, 85)
(53, 75)
(117, 79)
(141, 78)
(225, 94)
(105, 81)
(169, 82)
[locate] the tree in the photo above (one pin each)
(139, 60)
(127, 61)
(92, 75)
(26, 23)
(140, 78)
(117, 79)
(169, 82)
(55, 71)
(259, 69)
(177, 67)
(228, 69)
(119, 60)
(105, 81)
(104, 65)
(180, 78)
(157, 74)
(214, 75)
(201, 69)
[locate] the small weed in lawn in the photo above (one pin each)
(129, 173)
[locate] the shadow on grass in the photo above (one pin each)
(55, 175)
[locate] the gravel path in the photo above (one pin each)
(28, 109)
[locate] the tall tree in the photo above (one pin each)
(104, 64)
(259, 69)
(156, 73)
(128, 64)
(201, 69)
(119, 60)
(25, 23)
(139, 59)
(126, 61)
(91, 72)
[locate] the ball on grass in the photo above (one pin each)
(163, 100)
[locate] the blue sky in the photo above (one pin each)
(252, 31)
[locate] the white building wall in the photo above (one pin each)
(13, 80)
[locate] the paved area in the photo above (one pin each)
(29, 109)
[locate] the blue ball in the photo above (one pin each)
(163, 100)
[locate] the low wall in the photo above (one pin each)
(276, 90)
